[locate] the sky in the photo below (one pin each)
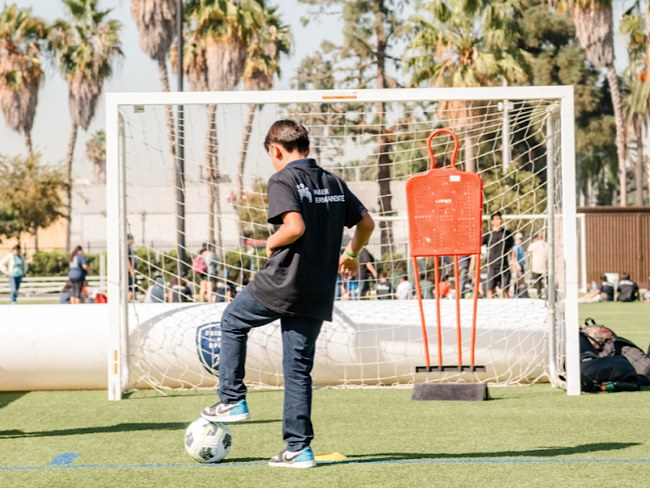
(137, 72)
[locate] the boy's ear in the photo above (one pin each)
(275, 151)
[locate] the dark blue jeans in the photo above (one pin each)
(299, 336)
(14, 286)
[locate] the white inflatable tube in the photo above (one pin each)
(172, 345)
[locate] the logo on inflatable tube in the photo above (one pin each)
(208, 346)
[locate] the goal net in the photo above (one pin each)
(198, 189)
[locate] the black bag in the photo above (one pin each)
(611, 373)
(639, 360)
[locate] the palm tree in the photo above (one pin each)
(96, 154)
(636, 25)
(595, 31)
(156, 23)
(85, 46)
(261, 68)
(218, 36)
(21, 74)
(465, 44)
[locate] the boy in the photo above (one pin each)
(500, 246)
(309, 208)
(384, 287)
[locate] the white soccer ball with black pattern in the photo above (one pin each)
(207, 442)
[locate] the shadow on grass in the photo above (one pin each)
(107, 429)
(547, 452)
(12, 396)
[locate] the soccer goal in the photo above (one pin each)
(198, 187)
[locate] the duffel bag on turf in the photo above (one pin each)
(639, 360)
(611, 373)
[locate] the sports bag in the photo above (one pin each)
(611, 373)
(598, 342)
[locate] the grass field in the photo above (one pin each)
(524, 436)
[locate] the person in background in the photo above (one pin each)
(384, 287)
(200, 268)
(179, 291)
(77, 274)
(426, 286)
(66, 293)
(131, 268)
(538, 259)
(445, 287)
(14, 266)
(367, 273)
(224, 291)
(156, 292)
(628, 290)
(211, 262)
(519, 268)
(463, 274)
(404, 290)
(604, 293)
(501, 256)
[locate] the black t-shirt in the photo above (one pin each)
(364, 258)
(628, 291)
(499, 244)
(384, 290)
(608, 289)
(299, 279)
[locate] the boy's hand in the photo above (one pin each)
(348, 267)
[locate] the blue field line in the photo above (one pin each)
(65, 458)
(235, 464)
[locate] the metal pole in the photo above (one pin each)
(505, 142)
(550, 273)
(583, 252)
(180, 150)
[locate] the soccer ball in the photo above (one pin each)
(207, 442)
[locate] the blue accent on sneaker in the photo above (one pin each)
(294, 459)
(227, 413)
(305, 455)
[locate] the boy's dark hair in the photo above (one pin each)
(289, 134)
(626, 276)
(495, 214)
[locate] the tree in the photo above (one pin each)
(635, 24)
(465, 44)
(96, 154)
(85, 46)
(156, 23)
(558, 59)
(34, 193)
(595, 30)
(21, 74)
(217, 36)
(371, 31)
(262, 66)
(8, 221)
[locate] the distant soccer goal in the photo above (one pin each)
(201, 188)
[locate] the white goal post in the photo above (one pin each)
(519, 139)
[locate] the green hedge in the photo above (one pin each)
(56, 263)
(148, 262)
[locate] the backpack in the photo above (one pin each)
(603, 343)
(610, 373)
(198, 265)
